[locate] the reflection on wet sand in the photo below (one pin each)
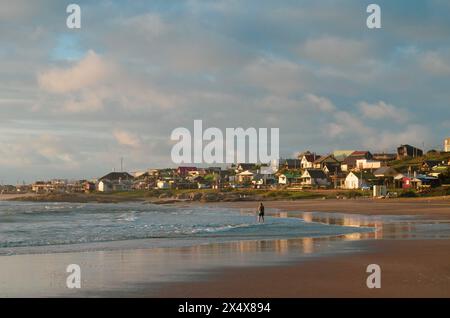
(385, 227)
(122, 272)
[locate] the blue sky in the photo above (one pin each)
(72, 102)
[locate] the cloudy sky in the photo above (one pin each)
(73, 102)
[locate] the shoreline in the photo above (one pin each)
(213, 197)
(411, 268)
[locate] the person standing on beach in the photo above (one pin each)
(261, 213)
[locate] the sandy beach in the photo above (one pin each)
(5, 197)
(410, 268)
(414, 260)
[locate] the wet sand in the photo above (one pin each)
(410, 268)
(280, 268)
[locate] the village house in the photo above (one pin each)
(349, 163)
(307, 159)
(289, 178)
(331, 169)
(89, 186)
(268, 175)
(386, 175)
(405, 151)
(184, 171)
(314, 177)
(365, 164)
(290, 164)
(358, 180)
(428, 165)
(447, 144)
(115, 181)
(7, 188)
(53, 186)
(328, 161)
(245, 177)
(240, 167)
(384, 157)
(419, 181)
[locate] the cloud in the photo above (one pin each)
(335, 50)
(126, 138)
(321, 103)
(382, 110)
(150, 25)
(435, 63)
(276, 75)
(88, 72)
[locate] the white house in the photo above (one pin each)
(356, 180)
(363, 164)
(245, 176)
(352, 181)
(104, 186)
(288, 178)
(307, 160)
(447, 145)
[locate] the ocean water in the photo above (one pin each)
(26, 224)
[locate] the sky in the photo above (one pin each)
(73, 102)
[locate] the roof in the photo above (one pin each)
(432, 163)
(333, 168)
(291, 175)
(115, 176)
(324, 158)
(360, 153)
(311, 157)
(385, 172)
(351, 160)
(246, 173)
(316, 173)
(291, 163)
(340, 155)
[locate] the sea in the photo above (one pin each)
(43, 227)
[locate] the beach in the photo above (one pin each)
(410, 242)
(410, 267)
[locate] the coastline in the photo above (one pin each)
(410, 267)
(414, 267)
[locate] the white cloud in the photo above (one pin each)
(382, 110)
(150, 25)
(276, 75)
(89, 71)
(126, 138)
(435, 63)
(335, 50)
(321, 103)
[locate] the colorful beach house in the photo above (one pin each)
(289, 178)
